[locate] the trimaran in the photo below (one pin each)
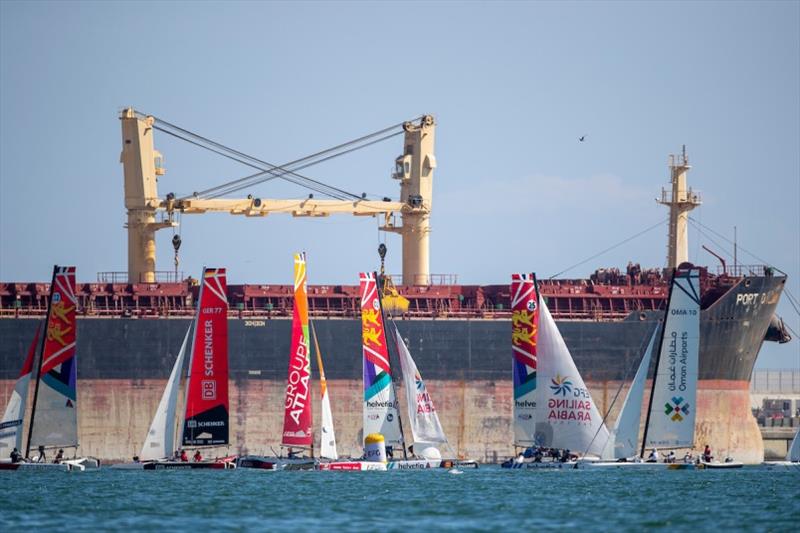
(53, 420)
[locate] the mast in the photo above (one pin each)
(658, 361)
(39, 364)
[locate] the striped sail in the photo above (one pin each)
(566, 416)
(327, 436)
(11, 426)
(297, 406)
(206, 419)
(673, 404)
(55, 411)
(380, 406)
(524, 330)
(160, 441)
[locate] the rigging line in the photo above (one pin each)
(790, 329)
(792, 301)
(739, 246)
(662, 221)
(715, 243)
(303, 159)
(301, 167)
(339, 197)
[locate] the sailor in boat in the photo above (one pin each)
(653, 457)
(16, 457)
(59, 457)
(176, 456)
(707, 456)
(670, 457)
(41, 458)
(688, 457)
(197, 457)
(184, 457)
(136, 459)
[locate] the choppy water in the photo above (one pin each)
(753, 499)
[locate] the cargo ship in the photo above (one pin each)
(130, 329)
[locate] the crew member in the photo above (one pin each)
(707, 457)
(59, 457)
(653, 457)
(16, 457)
(184, 457)
(42, 458)
(197, 457)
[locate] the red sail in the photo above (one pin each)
(297, 413)
(59, 346)
(206, 422)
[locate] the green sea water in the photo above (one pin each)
(487, 499)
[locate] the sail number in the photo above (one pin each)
(212, 310)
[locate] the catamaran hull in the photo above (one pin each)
(636, 466)
(545, 465)
(424, 464)
(171, 465)
(351, 466)
(275, 463)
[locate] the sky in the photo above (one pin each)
(512, 86)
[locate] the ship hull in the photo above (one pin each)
(459, 354)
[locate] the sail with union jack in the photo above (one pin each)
(524, 332)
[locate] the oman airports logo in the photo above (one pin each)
(561, 385)
(674, 410)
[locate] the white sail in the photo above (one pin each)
(11, 426)
(328, 437)
(160, 441)
(624, 441)
(793, 454)
(566, 416)
(674, 401)
(425, 426)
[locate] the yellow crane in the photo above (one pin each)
(142, 164)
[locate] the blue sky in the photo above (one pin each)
(512, 85)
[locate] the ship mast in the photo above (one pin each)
(680, 200)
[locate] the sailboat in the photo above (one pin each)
(297, 417)
(426, 429)
(552, 407)
(11, 425)
(380, 413)
(53, 419)
(206, 418)
(673, 398)
(792, 455)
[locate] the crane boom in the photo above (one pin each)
(142, 165)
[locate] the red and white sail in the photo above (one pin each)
(55, 412)
(425, 425)
(297, 429)
(11, 426)
(206, 420)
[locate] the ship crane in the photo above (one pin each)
(142, 164)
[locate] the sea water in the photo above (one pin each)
(490, 498)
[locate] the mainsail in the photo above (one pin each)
(297, 407)
(566, 416)
(525, 324)
(380, 406)
(206, 420)
(624, 441)
(793, 454)
(54, 419)
(673, 401)
(11, 426)
(327, 436)
(425, 426)
(160, 441)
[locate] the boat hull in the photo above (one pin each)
(351, 466)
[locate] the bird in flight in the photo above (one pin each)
(582, 138)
